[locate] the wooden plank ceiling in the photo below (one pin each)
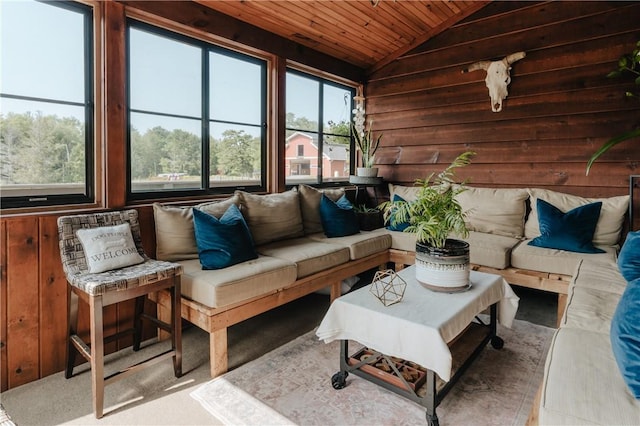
(365, 33)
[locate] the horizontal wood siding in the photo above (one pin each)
(561, 106)
(560, 109)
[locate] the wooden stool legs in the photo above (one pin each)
(94, 352)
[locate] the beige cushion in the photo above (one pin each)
(495, 210)
(610, 222)
(175, 235)
(590, 309)
(408, 193)
(310, 206)
(237, 283)
(219, 207)
(555, 261)
(360, 245)
(490, 250)
(108, 247)
(600, 274)
(583, 385)
(272, 217)
(309, 256)
(405, 241)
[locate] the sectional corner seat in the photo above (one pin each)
(502, 222)
(582, 383)
(295, 258)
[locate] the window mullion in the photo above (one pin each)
(206, 138)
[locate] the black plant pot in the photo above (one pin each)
(443, 268)
(370, 221)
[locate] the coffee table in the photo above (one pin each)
(419, 329)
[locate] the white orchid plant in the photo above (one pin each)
(366, 143)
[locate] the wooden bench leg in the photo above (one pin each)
(562, 305)
(164, 314)
(336, 291)
(218, 352)
(176, 325)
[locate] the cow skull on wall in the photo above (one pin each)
(498, 77)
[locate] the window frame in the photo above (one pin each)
(88, 13)
(207, 47)
(322, 81)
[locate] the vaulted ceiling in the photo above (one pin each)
(366, 33)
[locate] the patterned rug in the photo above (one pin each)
(292, 385)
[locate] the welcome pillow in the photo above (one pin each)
(109, 247)
(223, 242)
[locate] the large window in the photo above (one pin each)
(46, 104)
(318, 148)
(197, 116)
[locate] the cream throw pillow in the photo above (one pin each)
(408, 193)
(310, 206)
(609, 224)
(272, 217)
(175, 234)
(499, 211)
(109, 247)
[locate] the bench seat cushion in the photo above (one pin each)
(489, 250)
(601, 275)
(237, 283)
(310, 256)
(583, 385)
(360, 245)
(590, 309)
(554, 261)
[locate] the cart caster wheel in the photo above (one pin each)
(433, 420)
(497, 342)
(339, 380)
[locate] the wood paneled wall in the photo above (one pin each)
(561, 106)
(560, 109)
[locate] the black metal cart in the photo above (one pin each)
(431, 398)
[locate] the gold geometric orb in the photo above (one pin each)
(388, 287)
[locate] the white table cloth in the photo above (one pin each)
(419, 327)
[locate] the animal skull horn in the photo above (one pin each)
(498, 77)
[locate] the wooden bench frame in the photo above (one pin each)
(215, 321)
(545, 281)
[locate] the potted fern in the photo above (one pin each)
(442, 262)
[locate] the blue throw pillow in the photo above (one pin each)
(338, 218)
(398, 226)
(629, 257)
(625, 336)
(223, 242)
(570, 231)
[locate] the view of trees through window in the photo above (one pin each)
(46, 104)
(183, 92)
(318, 120)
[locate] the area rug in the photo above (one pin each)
(292, 385)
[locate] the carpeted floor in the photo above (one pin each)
(155, 397)
(291, 385)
